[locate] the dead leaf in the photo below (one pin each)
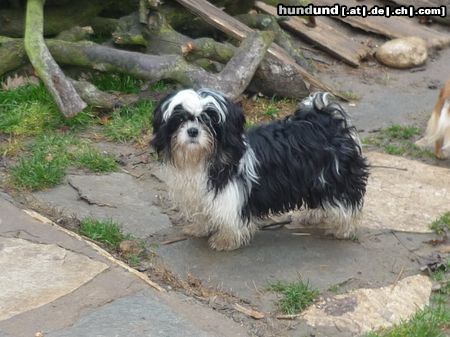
(17, 81)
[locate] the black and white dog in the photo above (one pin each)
(222, 176)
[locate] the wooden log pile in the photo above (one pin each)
(222, 44)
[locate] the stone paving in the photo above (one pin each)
(403, 198)
(57, 285)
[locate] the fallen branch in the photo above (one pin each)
(100, 99)
(62, 90)
(231, 81)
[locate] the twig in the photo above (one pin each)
(288, 317)
(389, 167)
(249, 312)
(168, 242)
(397, 278)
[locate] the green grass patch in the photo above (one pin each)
(45, 166)
(442, 224)
(95, 161)
(130, 123)
(350, 95)
(429, 322)
(117, 82)
(271, 111)
(49, 157)
(334, 289)
(105, 231)
(160, 86)
(31, 111)
(402, 132)
(296, 296)
(399, 140)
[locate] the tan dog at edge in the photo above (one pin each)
(438, 129)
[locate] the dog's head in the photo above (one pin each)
(193, 128)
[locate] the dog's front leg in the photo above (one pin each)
(230, 236)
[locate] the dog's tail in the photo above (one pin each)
(438, 128)
(322, 109)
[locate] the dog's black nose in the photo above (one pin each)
(192, 132)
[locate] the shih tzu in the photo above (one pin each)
(223, 176)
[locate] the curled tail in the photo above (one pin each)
(321, 109)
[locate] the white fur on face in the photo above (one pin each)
(189, 152)
(195, 103)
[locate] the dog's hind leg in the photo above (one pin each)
(341, 221)
(438, 149)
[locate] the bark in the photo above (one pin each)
(75, 34)
(12, 54)
(103, 26)
(62, 90)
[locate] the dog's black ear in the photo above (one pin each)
(160, 137)
(158, 113)
(230, 147)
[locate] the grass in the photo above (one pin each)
(30, 111)
(105, 231)
(45, 166)
(350, 95)
(399, 140)
(271, 111)
(129, 123)
(442, 224)
(296, 296)
(334, 289)
(428, 322)
(51, 155)
(95, 161)
(117, 82)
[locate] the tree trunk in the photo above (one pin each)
(62, 90)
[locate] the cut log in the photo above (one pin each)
(392, 27)
(62, 90)
(323, 35)
(238, 30)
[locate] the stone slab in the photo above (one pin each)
(139, 315)
(36, 274)
(404, 194)
(117, 196)
(375, 260)
(364, 310)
